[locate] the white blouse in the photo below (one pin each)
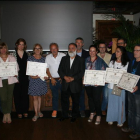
(116, 65)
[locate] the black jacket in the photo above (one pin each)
(85, 54)
(77, 71)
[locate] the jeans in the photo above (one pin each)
(82, 100)
(105, 97)
(55, 94)
(134, 112)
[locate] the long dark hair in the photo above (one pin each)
(124, 57)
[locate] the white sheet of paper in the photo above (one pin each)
(8, 69)
(128, 81)
(36, 68)
(94, 77)
(113, 75)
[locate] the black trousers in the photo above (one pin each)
(94, 99)
(21, 97)
(65, 103)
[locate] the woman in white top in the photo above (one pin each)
(6, 85)
(116, 104)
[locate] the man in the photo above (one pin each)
(134, 98)
(53, 61)
(123, 42)
(71, 71)
(84, 54)
(106, 57)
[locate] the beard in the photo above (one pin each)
(72, 54)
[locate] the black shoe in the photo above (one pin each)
(134, 135)
(62, 119)
(82, 113)
(73, 120)
(127, 129)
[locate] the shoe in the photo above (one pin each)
(40, 114)
(73, 120)
(104, 113)
(110, 123)
(4, 118)
(34, 119)
(98, 122)
(120, 125)
(127, 129)
(90, 119)
(134, 135)
(62, 119)
(54, 114)
(82, 113)
(19, 116)
(9, 118)
(25, 115)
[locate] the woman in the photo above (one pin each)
(93, 62)
(21, 97)
(116, 104)
(134, 98)
(6, 85)
(37, 87)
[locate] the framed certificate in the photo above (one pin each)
(94, 77)
(36, 68)
(8, 69)
(128, 81)
(113, 75)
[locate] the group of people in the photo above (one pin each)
(66, 73)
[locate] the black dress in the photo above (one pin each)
(21, 97)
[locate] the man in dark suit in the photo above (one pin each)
(84, 54)
(71, 71)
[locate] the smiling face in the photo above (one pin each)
(37, 50)
(137, 52)
(118, 53)
(3, 50)
(54, 49)
(21, 46)
(93, 52)
(79, 44)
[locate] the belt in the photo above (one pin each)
(57, 78)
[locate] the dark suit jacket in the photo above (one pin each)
(77, 71)
(85, 54)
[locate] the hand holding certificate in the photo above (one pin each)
(36, 69)
(113, 75)
(94, 77)
(8, 69)
(128, 81)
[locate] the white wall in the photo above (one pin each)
(101, 17)
(136, 19)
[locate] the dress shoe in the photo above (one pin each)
(82, 113)
(104, 113)
(134, 135)
(127, 129)
(62, 119)
(73, 120)
(120, 125)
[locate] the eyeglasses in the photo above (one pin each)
(101, 47)
(120, 43)
(136, 50)
(37, 48)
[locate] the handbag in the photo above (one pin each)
(116, 91)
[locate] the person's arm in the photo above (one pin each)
(53, 81)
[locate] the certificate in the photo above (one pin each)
(128, 81)
(94, 77)
(36, 68)
(113, 75)
(8, 69)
